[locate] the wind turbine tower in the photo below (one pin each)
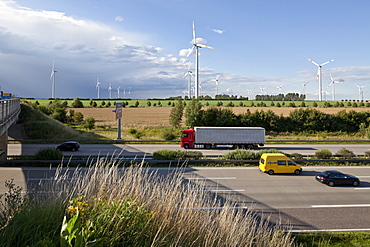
(333, 88)
(319, 77)
(189, 73)
(52, 78)
(217, 83)
(360, 92)
(110, 90)
(98, 87)
(118, 91)
(196, 46)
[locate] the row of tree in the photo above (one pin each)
(302, 119)
(282, 97)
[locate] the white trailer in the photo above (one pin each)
(238, 137)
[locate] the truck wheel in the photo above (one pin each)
(208, 146)
(270, 172)
(297, 172)
(242, 146)
(186, 146)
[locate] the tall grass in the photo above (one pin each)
(151, 208)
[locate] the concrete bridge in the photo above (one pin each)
(9, 112)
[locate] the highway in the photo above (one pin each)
(290, 199)
(140, 150)
(298, 200)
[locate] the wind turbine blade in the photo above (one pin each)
(190, 52)
(194, 37)
(313, 62)
(327, 62)
(218, 76)
(318, 73)
(52, 71)
(332, 80)
(205, 46)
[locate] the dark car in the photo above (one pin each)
(69, 146)
(333, 177)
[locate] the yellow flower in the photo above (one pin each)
(79, 203)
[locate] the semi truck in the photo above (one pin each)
(212, 137)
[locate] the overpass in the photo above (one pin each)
(9, 112)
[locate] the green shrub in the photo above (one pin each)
(132, 131)
(367, 154)
(272, 150)
(323, 154)
(48, 154)
(240, 154)
(295, 156)
(166, 154)
(345, 153)
(169, 135)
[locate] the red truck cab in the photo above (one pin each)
(187, 138)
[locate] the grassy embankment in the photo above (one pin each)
(38, 126)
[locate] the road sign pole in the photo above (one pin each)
(118, 117)
(119, 130)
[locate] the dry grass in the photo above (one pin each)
(181, 210)
(159, 116)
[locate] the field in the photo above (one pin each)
(159, 116)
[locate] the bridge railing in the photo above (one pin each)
(9, 112)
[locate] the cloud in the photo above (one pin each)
(119, 18)
(30, 40)
(217, 30)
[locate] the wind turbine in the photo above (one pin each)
(189, 73)
(118, 91)
(319, 78)
(196, 46)
(216, 80)
(360, 92)
(333, 88)
(52, 78)
(304, 87)
(110, 90)
(98, 87)
(279, 87)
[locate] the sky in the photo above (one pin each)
(136, 48)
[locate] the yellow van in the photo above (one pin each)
(278, 163)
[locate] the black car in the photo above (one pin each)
(333, 177)
(69, 146)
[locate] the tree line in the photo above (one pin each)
(298, 120)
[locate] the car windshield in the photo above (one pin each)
(326, 173)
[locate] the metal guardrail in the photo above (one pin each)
(121, 141)
(9, 112)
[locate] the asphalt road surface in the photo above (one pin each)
(140, 150)
(296, 200)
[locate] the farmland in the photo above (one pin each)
(159, 116)
(150, 118)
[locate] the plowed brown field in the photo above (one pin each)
(159, 116)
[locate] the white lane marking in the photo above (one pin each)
(330, 230)
(365, 188)
(50, 179)
(222, 190)
(341, 206)
(212, 178)
(218, 208)
(363, 176)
